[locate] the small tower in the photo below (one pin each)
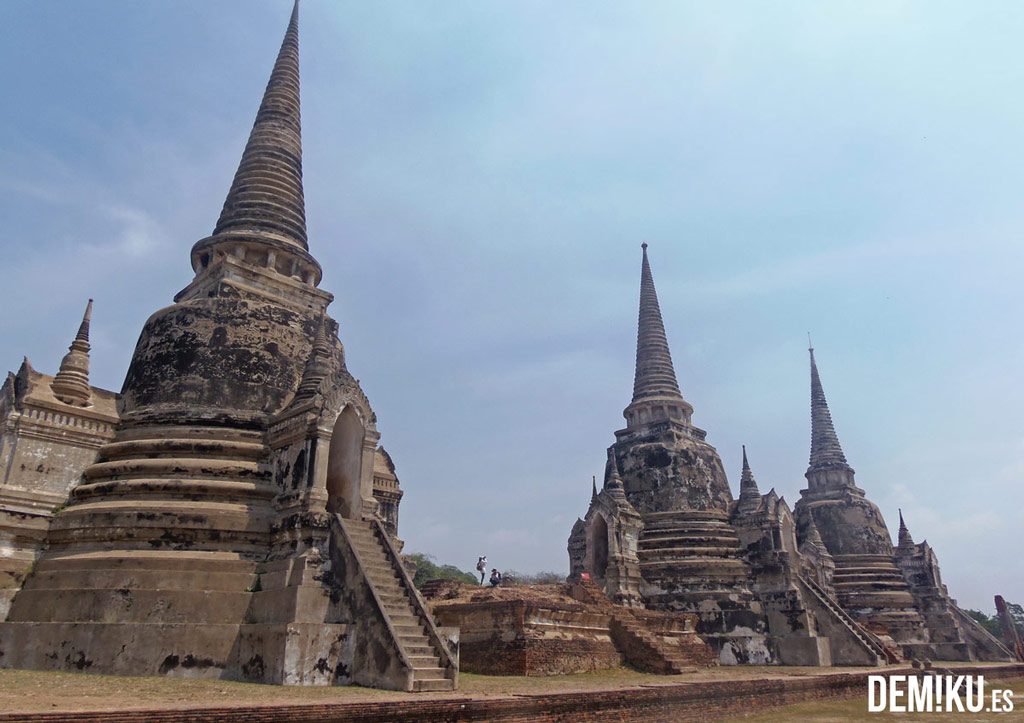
(71, 385)
(750, 495)
(318, 366)
(905, 540)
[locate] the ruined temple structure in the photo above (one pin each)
(50, 430)
(896, 592)
(767, 585)
(230, 514)
(664, 533)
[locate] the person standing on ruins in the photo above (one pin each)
(481, 567)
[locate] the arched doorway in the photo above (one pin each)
(345, 464)
(598, 544)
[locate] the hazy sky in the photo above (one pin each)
(479, 177)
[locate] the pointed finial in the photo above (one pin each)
(750, 495)
(810, 345)
(83, 329)
(317, 364)
(612, 480)
(644, 245)
(813, 536)
(71, 383)
(593, 486)
(905, 540)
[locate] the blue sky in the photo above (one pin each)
(479, 177)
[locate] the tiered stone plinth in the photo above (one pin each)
(174, 488)
(874, 591)
(686, 555)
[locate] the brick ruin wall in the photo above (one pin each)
(517, 637)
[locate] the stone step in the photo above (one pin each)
(403, 618)
(386, 583)
(183, 446)
(433, 685)
(148, 560)
(688, 541)
(191, 488)
(428, 672)
(140, 433)
(421, 662)
(870, 586)
(51, 579)
(652, 553)
(178, 467)
(873, 577)
(405, 630)
(418, 650)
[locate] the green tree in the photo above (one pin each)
(428, 569)
(990, 623)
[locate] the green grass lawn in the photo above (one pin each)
(34, 691)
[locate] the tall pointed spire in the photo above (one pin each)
(71, 384)
(905, 540)
(593, 487)
(750, 495)
(266, 195)
(825, 449)
(655, 375)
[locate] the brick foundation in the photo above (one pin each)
(517, 637)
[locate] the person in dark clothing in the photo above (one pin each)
(495, 577)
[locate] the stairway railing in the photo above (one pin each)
(873, 643)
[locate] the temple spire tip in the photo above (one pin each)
(750, 495)
(71, 383)
(655, 375)
(266, 196)
(826, 452)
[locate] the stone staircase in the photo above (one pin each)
(641, 649)
(644, 651)
(867, 639)
(405, 612)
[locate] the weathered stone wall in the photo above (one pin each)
(228, 353)
(666, 470)
(848, 522)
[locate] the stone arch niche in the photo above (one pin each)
(345, 465)
(597, 547)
